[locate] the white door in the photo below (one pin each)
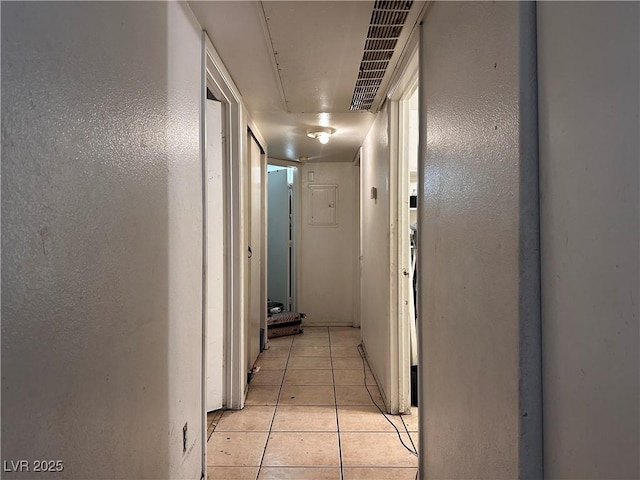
(257, 309)
(214, 257)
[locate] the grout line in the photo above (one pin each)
(275, 410)
(335, 398)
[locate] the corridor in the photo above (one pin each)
(309, 415)
(135, 239)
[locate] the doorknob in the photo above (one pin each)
(250, 252)
(405, 273)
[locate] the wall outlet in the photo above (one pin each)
(184, 438)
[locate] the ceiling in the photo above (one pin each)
(296, 64)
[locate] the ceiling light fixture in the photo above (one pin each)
(321, 134)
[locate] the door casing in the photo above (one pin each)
(399, 397)
(235, 123)
(214, 246)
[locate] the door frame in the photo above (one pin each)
(400, 344)
(216, 77)
(206, 235)
(295, 212)
(235, 123)
(357, 251)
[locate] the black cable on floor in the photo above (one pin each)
(409, 435)
(335, 398)
(364, 370)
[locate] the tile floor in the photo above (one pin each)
(308, 416)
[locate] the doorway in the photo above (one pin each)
(223, 375)
(403, 141)
(256, 254)
(408, 227)
(281, 236)
(214, 253)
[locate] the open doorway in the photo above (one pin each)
(408, 179)
(256, 249)
(214, 252)
(403, 140)
(281, 237)
(223, 374)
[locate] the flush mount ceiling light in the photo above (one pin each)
(322, 134)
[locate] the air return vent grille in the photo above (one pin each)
(385, 26)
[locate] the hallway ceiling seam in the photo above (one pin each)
(296, 63)
(264, 22)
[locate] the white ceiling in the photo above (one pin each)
(295, 64)
(318, 48)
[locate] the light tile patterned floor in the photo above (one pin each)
(308, 416)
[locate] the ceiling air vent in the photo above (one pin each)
(385, 27)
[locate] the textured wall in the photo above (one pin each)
(588, 77)
(375, 277)
(471, 242)
(101, 238)
(326, 253)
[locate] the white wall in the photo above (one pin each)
(325, 272)
(375, 277)
(473, 245)
(588, 81)
(101, 238)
